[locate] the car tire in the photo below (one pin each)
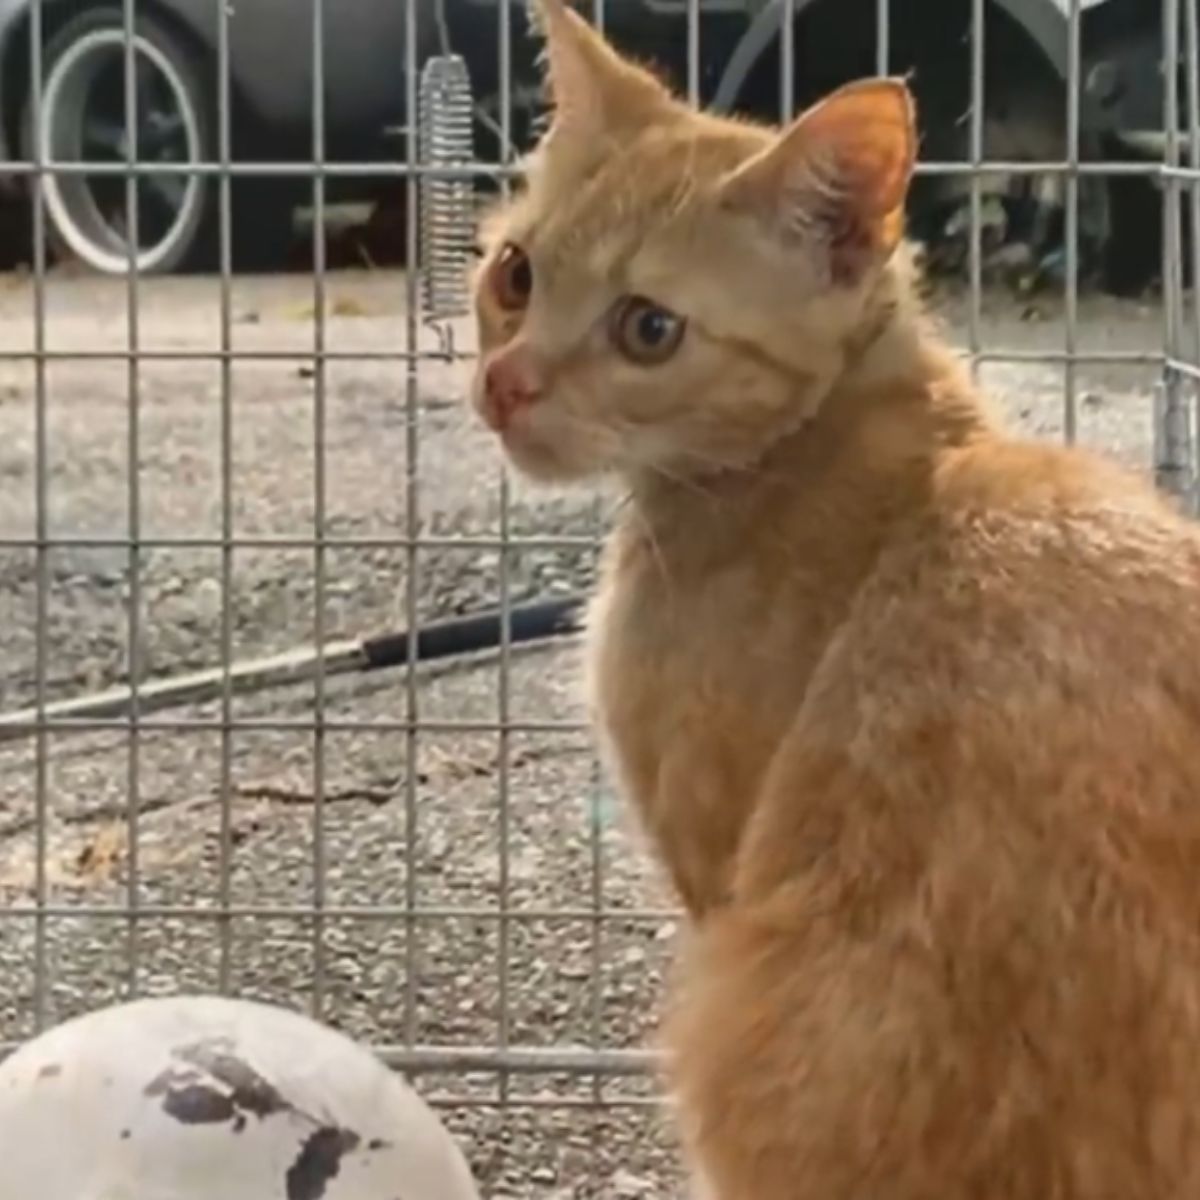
(82, 119)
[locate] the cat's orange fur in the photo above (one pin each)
(910, 708)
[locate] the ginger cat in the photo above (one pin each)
(909, 708)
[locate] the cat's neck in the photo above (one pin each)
(902, 401)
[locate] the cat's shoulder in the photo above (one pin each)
(1058, 508)
(1023, 476)
(1029, 559)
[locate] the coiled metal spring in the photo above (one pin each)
(447, 220)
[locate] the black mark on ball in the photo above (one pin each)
(213, 1086)
(50, 1071)
(249, 1091)
(318, 1162)
(169, 1078)
(196, 1104)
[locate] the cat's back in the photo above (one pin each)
(1022, 673)
(1047, 559)
(1044, 603)
(978, 851)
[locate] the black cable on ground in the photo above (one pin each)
(469, 634)
(480, 631)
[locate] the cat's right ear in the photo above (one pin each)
(836, 179)
(594, 91)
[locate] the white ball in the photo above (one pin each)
(197, 1097)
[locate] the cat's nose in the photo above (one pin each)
(511, 381)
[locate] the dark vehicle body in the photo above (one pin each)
(1026, 54)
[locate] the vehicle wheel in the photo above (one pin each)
(83, 120)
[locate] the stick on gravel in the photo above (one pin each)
(439, 639)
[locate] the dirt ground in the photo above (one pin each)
(502, 949)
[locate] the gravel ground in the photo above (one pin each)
(423, 819)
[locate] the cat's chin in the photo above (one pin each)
(541, 461)
(543, 465)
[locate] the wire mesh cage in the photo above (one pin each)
(1176, 424)
(289, 702)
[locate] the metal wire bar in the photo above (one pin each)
(596, 857)
(41, 974)
(300, 724)
(984, 354)
(374, 912)
(1071, 200)
(998, 354)
(1192, 74)
(533, 1060)
(134, 518)
(521, 1102)
(787, 61)
(693, 50)
(412, 499)
(225, 251)
(484, 170)
(503, 678)
(975, 136)
(1173, 458)
(319, 855)
(562, 541)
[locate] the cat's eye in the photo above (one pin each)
(512, 278)
(645, 332)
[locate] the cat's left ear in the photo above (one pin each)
(837, 177)
(594, 90)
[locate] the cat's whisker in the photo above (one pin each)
(656, 549)
(635, 436)
(717, 466)
(687, 482)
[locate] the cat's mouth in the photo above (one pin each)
(543, 450)
(534, 453)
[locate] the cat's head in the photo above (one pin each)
(674, 292)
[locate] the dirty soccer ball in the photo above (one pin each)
(199, 1097)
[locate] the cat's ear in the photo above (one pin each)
(837, 177)
(594, 91)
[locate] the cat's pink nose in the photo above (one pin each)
(511, 381)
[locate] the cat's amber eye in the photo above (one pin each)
(512, 278)
(645, 332)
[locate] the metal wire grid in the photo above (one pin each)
(1179, 392)
(505, 1059)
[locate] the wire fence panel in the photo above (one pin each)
(1176, 408)
(289, 706)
